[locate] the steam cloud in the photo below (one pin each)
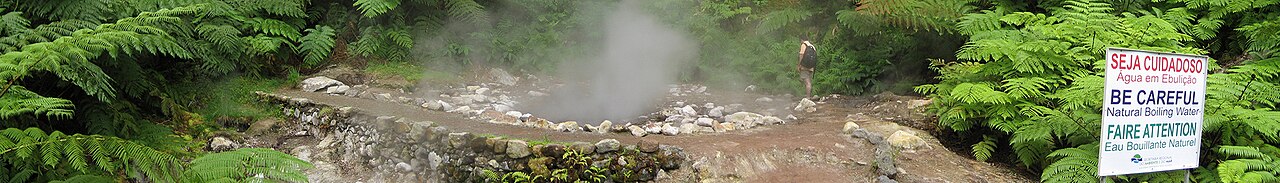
(640, 57)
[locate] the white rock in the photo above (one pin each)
(319, 82)
(653, 128)
(772, 120)
(670, 130)
(850, 126)
(673, 118)
(918, 103)
(905, 140)
(433, 105)
(605, 126)
(792, 117)
(502, 108)
(462, 109)
(805, 105)
(476, 98)
(473, 88)
(445, 106)
(705, 122)
(709, 105)
(221, 144)
(340, 89)
(716, 112)
(637, 131)
(688, 111)
(569, 126)
(688, 128)
(745, 119)
(481, 91)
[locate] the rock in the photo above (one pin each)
(745, 119)
(537, 94)
(605, 126)
(582, 147)
(716, 112)
(460, 110)
(637, 131)
(434, 160)
(475, 98)
(647, 146)
(607, 145)
(919, 103)
(221, 144)
(673, 119)
(319, 82)
(517, 149)
(502, 108)
(764, 99)
(772, 120)
(473, 88)
(706, 129)
(806, 105)
(503, 77)
(849, 127)
(670, 130)
(700, 89)
(445, 106)
(705, 122)
(720, 127)
(481, 91)
(668, 112)
(590, 128)
(405, 167)
(906, 140)
(688, 128)
(688, 111)
(569, 126)
(433, 105)
(382, 97)
(792, 117)
(653, 128)
(340, 89)
(885, 179)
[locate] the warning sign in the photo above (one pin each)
(1152, 112)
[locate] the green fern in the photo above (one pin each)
(1073, 165)
(983, 150)
(33, 149)
(316, 45)
(247, 164)
(373, 8)
(781, 18)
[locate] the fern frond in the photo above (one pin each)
(1078, 164)
(247, 164)
(781, 18)
(55, 152)
(316, 45)
(373, 8)
(467, 10)
(983, 150)
(13, 23)
(274, 27)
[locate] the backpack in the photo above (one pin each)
(810, 58)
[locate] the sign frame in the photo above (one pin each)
(1108, 94)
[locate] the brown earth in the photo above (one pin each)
(810, 149)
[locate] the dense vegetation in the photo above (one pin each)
(126, 90)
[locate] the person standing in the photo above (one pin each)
(808, 60)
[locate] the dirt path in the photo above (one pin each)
(811, 149)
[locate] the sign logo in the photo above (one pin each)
(1136, 158)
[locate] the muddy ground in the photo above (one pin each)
(812, 148)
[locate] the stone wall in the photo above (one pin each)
(393, 149)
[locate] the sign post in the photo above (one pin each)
(1152, 111)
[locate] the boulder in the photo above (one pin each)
(605, 126)
(637, 131)
(481, 91)
(435, 105)
(221, 144)
(849, 127)
(806, 105)
(319, 82)
(670, 130)
(705, 122)
(607, 145)
(582, 147)
(514, 114)
(688, 128)
(503, 77)
(653, 128)
(517, 149)
(745, 119)
(718, 111)
(502, 108)
(904, 139)
(339, 89)
(772, 120)
(688, 111)
(569, 126)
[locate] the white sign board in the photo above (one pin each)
(1152, 112)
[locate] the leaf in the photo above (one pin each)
(983, 150)
(373, 8)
